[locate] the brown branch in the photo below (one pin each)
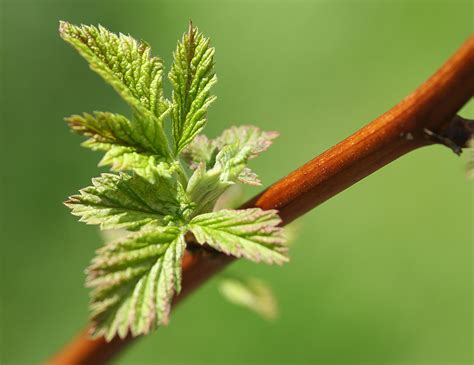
(427, 116)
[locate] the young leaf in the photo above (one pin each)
(205, 186)
(146, 165)
(247, 176)
(129, 145)
(111, 129)
(192, 77)
(123, 62)
(113, 234)
(250, 233)
(247, 137)
(133, 281)
(124, 201)
(201, 149)
(250, 293)
(248, 142)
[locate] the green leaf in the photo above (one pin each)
(205, 186)
(250, 141)
(192, 77)
(113, 234)
(129, 145)
(250, 293)
(124, 201)
(201, 149)
(133, 281)
(250, 233)
(146, 165)
(123, 62)
(247, 141)
(127, 65)
(247, 176)
(112, 129)
(247, 137)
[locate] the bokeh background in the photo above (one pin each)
(380, 274)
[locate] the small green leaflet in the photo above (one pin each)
(115, 129)
(247, 137)
(146, 165)
(192, 77)
(128, 66)
(123, 62)
(133, 281)
(250, 293)
(205, 186)
(124, 201)
(129, 145)
(201, 149)
(247, 141)
(251, 233)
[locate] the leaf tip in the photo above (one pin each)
(70, 202)
(62, 26)
(65, 29)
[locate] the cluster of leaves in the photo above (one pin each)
(249, 292)
(162, 188)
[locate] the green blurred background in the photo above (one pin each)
(380, 274)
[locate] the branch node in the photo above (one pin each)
(440, 139)
(456, 135)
